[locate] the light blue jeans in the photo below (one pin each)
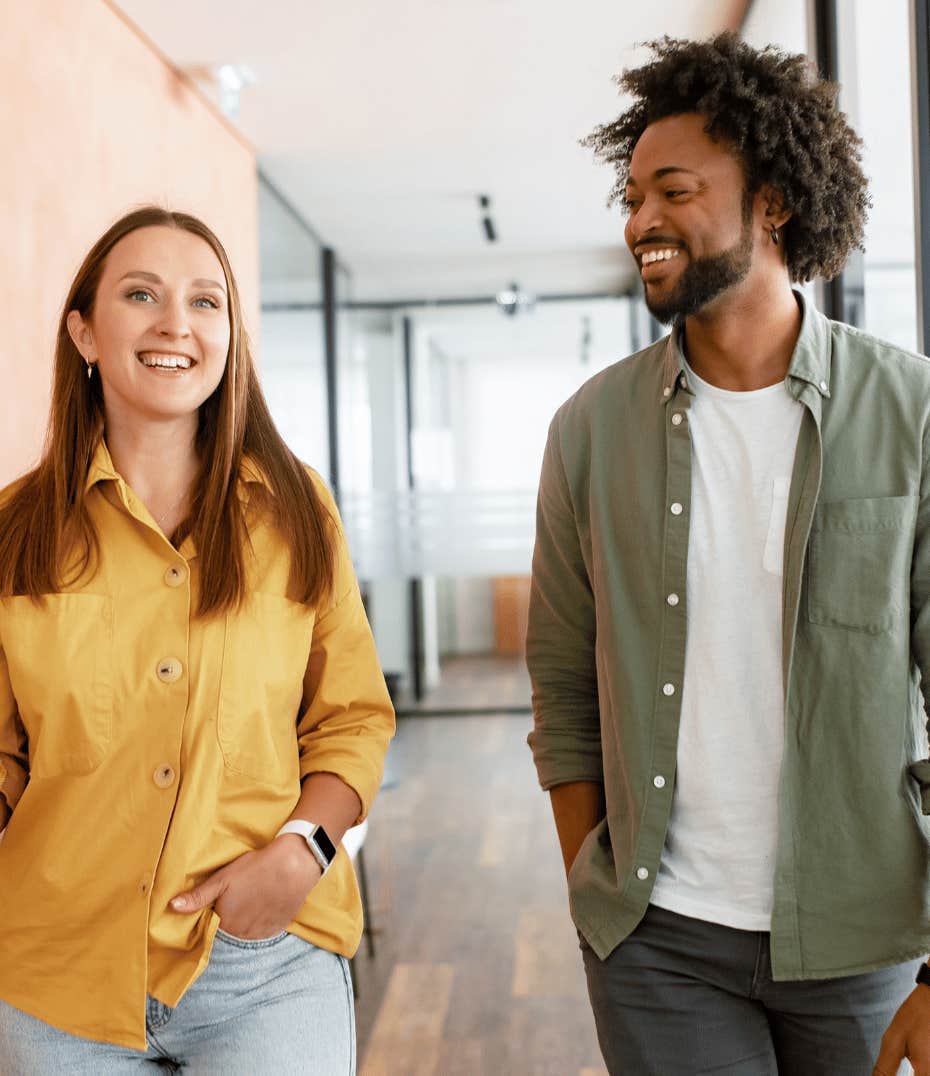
(261, 1008)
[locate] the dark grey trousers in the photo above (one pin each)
(681, 996)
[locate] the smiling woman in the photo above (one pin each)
(179, 778)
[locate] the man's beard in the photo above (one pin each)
(703, 279)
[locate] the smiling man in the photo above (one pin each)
(730, 612)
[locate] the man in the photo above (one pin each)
(730, 612)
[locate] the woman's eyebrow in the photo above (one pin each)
(154, 278)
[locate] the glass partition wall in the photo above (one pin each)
(880, 295)
(459, 402)
(291, 350)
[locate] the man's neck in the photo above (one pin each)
(744, 341)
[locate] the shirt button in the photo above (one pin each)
(175, 575)
(164, 776)
(642, 874)
(168, 670)
(659, 781)
(677, 418)
(668, 689)
(823, 386)
(683, 381)
(672, 599)
(675, 508)
(667, 391)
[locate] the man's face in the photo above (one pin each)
(690, 225)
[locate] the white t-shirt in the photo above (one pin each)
(719, 854)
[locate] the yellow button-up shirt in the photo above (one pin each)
(142, 748)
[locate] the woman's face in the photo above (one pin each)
(159, 330)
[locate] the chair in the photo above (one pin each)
(353, 842)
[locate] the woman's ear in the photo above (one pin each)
(82, 336)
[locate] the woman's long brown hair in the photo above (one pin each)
(45, 522)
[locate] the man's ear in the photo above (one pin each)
(775, 211)
(82, 335)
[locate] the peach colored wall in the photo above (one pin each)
(93, 122)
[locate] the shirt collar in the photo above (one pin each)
(102, 470)
(101, 467)
(810, 360)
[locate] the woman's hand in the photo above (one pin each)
(258, 894)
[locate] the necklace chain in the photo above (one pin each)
(159, 519)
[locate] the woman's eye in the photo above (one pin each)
(140, 296)
(205, 300)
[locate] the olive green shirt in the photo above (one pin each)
(604, 646)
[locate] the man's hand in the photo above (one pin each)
(258, 894)
(908, 1035)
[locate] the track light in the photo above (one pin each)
(484, 204)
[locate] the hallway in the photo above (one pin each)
(477, 970)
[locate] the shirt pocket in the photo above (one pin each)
(860, 554)
(773, 556)
(60, 656)
(265, 656)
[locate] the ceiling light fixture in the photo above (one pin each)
(232, 80)
(484, 204)
(511, 300)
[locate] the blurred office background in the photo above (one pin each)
(429, 270)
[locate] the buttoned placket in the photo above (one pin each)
(802, 500)
(676, 403)
(168, 667)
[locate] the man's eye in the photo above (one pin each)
(675, 194)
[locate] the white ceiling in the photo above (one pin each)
(382, 121)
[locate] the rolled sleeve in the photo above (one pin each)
(920, 608)
(14, 751)
(347, 719)
(561, 634)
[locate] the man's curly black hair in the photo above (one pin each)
(782, 120)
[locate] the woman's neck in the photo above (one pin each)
(159, 461)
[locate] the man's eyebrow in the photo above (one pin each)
(660, 172)
(154, 278)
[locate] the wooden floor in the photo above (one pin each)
(477, 970)
(475, 681)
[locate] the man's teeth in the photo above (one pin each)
(658, 256)
(169, 362)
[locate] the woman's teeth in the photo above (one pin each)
(168, 362)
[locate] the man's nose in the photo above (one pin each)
(647, 219)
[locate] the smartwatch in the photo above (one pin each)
(321, 847)
(923, 975)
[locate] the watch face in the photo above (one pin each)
(325, 845)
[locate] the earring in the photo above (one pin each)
(90, 370)
(773, 232)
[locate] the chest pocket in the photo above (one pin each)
(60, 657)
(860, 554)
(265, 656)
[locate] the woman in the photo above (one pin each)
(185, 668)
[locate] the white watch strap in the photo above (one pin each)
(307, 831)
